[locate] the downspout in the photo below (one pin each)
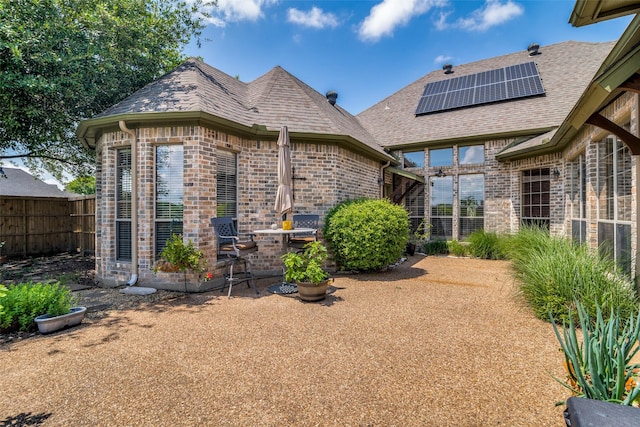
(382, 168)
(134, 203)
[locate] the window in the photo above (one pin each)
(227, 184)
(414, 159)
(536, 197)
(441, 157)
(614, 201)
(469, 155)
(414, 204)
(169, 193)
(123, 204)
(441, 207)
(471, 204)
(578, 199)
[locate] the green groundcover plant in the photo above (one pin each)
(366, 234)
(22, 303)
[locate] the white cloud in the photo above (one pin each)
(441, 59)
(315, 18)
(238, 10)
(493, 13)
(384, 17)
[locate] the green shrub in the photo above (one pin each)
(599, 364)
(366, 234)
(486, 245)
(26, 301)
(553, 272)
(436, 247)
(458, 248)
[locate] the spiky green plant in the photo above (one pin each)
(599, 365)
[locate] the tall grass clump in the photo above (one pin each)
(553, 272)
(366, 234)
(486, 245)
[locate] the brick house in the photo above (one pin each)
(547, 135)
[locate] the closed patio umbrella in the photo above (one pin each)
(284, 197)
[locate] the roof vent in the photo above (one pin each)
(448, 68)
(332, 96)
(534, 49)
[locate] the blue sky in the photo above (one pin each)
(366, 50)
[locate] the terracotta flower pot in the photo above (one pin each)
(309, 292)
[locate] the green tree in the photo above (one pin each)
(82, 185)
(63, 61)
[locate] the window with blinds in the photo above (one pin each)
(471, 204)
(578, 199)
(536, 197)
(169, 194)
(441, 201)
(123, 204)
(414, 204)
(614, 193)
(227, 184)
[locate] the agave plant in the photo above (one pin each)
(599, 366)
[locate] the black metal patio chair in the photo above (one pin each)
(234, 249)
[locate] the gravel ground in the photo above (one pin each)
(437, 341)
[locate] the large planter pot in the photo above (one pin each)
(309, 292)
(47, 323)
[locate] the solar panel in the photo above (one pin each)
(512, 82)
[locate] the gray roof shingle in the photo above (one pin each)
(22, 184)
(275, 99)
(565, 69)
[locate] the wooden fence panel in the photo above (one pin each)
(83, 224)
(37, 226)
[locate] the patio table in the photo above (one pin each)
(283, 287)
(283, 233)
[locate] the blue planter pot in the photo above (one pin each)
(47, 323)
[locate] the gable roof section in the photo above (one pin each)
(620, 65)
(21, 184)
(197, 91)
(565, 69)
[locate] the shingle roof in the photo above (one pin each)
(275, 99)
(565, 69)
(22, 184)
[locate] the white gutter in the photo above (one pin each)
(134, 203)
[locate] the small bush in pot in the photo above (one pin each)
(305, 270)
(306, 266)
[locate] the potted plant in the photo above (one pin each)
(305, 269)
(178, 256)
(56, 301)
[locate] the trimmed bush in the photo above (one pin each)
(554, 272)
(366, 234)
(26, 301)
(436, 247)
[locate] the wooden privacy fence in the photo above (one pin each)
(38, 226)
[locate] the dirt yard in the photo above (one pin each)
(436, 341)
